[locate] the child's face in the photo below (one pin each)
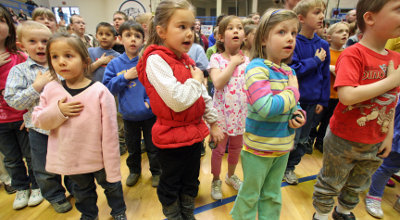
(118, 19)
(256, 18)
(78, 25)
(105, 37)
(321, 32)
(3, 30)
(281, 40)
(339, 36)
(233, 35)
(49, 22)
(314, 19)
(386, 21)
(179, 34)
(132, 41)
(34, 43)
(66, 61)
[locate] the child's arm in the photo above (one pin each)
(221, 77)
(19, 94)
(177, 96)
(261, 98)
(304, 67)
(386, 146)
(109, 142)
(350, 95)
(103, 60)
(115, 82)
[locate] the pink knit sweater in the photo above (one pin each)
(84, 143)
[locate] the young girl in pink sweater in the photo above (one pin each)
(81, 116)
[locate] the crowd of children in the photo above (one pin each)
(278, 91)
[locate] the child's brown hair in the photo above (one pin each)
(364, 6)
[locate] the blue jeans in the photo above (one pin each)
(390, 165)
(301, 137)
(86, 196)
(133, 134)
(14, 144)
(49, 183)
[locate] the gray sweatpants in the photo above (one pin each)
(346, 171)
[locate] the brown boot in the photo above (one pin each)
(187, 207)
(173, 211)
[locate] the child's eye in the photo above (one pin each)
(138, 36)
(182, 27)
(54, 57)
(294, 33)
(192, 28)
(68, 55)
(282, 32)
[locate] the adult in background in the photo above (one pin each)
(203, 41)
(31, 5)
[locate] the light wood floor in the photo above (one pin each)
(142, 201)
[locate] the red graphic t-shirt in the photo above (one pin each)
(366, 122)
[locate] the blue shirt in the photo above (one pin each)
(95, 53)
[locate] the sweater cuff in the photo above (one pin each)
(295, 92)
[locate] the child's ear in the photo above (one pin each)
(301, 18)
(161, 32)
(220, 38)
(328, 38)
(369, 18)
(264, 42)
(119, 38)
(20, 45)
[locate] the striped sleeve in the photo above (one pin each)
(260, 96)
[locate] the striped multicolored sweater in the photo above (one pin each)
(271, 103)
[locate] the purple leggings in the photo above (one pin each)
(234, 148)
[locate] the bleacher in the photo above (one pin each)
(15, 5)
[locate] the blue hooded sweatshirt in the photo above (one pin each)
(131, 93)
(312, 74)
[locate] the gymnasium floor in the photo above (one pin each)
(142, 202)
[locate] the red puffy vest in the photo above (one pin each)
(173, 129)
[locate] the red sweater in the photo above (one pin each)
(173, 129)
(8, 114)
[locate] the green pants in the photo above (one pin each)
(261, 188)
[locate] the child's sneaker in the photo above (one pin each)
(155, 180)
(62, 206)
(9, 189)
(340, 216)
(35, 198)
(216, 192)
(290, 177)
(373, 206)
(120, 217)
(21, 199)
(233, 181)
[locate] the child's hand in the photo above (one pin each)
(4, 58)
(321, 54)
(41, 80)
(298, 121)
(332, 69)
(197, 74)
(386, 147)
(69, 109)
(147, 105)
(237, 59)
(131, 74)
(393, 74)
(319, 109)
(216, 133)
(105, 59)
(292, 81)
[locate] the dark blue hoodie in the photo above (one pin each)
(131, 93)
(312, 74)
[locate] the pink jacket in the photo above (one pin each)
(84, 143)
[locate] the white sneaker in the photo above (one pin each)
(233, 181)
(21, 199)
(216, 192)
(373, 206)
(36, 197)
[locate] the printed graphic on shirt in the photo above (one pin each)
(375, 110)
(131, 83)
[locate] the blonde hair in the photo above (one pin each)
(43, 12)
(269, 20)
(223, 25)
(73, 41)
(144, 18)
(333, 27)
(164, 12)
(29, 26)
(304, 6)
